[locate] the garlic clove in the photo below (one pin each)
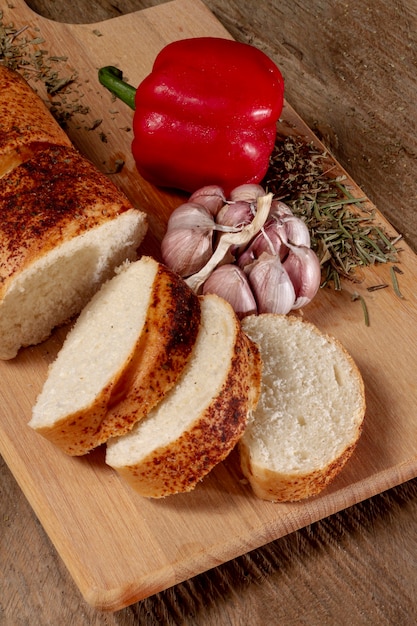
(295, 231)
(303, 267)
(236, 214)
(247, 257)
(191, 215)
(186, 251)
(248, 192)
(211, 197)
(230, 283)
(271, 285)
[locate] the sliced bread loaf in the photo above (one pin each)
(200, 420)
(127, 349)
(310, 413)
(64, 228)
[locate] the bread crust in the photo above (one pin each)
(278, 486)
(48, 200)
(26, 124)
(155, 363)
(182, 464)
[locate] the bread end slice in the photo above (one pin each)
(78, 227)
(310, 413)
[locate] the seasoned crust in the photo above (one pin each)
(25, 122)
(48, 200)
(179, 466)
(156, 360)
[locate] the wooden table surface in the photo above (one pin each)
(351, 73)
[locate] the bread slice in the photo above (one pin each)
(26, 125)
(126, 349)
(199, 422)
(64, 228)
(310, 413)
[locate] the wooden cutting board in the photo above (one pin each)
(118, 546)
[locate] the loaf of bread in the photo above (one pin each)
(310, 413)
(64, 226)
(200, 420)
(26, 125)
(127, 348)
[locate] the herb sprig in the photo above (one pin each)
(343, 229)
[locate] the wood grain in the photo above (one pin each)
(278, 564)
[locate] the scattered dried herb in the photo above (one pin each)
(343, 229)
(377, 287)
(95, 124)
(357, 296)
(394, 271)
(20, 49)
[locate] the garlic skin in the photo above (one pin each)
(186, 251)
(230, 283)
(303, 267)
(271, 285)
(211, 197)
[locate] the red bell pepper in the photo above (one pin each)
(206, 114)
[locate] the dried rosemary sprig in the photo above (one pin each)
(343, 230)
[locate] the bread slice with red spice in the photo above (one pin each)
(201, 419)
(127, 348)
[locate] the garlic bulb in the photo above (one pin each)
(271, 285)
(230, 283)
(261, 259)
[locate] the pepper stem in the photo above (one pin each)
(112, 78)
